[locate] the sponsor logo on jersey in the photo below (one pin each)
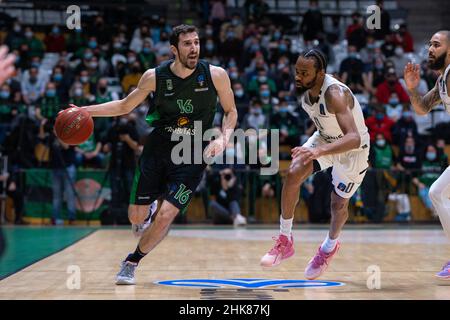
(169, 84)
(182, 121)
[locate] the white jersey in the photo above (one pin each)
(444, 95)
(326, 123)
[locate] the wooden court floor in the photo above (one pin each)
(372, 264)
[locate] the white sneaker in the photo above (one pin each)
(138, 229)
(126, 273)
(240, 220)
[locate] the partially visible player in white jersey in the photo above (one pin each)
(341, 141)
(438, 60)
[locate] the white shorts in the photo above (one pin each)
(349, 168)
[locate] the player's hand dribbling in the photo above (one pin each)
(411, 75)
(215, 147)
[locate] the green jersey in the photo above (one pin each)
(178, 102)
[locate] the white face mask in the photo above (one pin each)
(78, 92)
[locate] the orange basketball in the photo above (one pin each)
(74, 126)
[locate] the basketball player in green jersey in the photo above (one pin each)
(184, 90)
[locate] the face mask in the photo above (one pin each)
(117, 45)
(209, 32)
(4, 94)
(398, 51)
(265, 93)
(209, 46)
(51, 93)
(381, 143)
(254, 47)
(277, 35)
(353, 55)
(88, 55)
(257, 111)
(17, 28)
(93, 65)
(146, 50)
(370, 46)
(78, 92)
(84, 79)
(234, 75)
(393, 101)
(431, 156)
(239, 93)
(58, 77)
(29, 34)
(55, 30)
(92, 44)
(235, 22)
(262, 78)
(35, 64)
(409, 149)
(283, 109)
(407, 114)
(379, 117)
(131, 59)
(230, 34)
(282, 47)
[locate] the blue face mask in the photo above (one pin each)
(407, 114)
(146, 50)
(381, 143)
(4, 94)
(379, 116)
(55, 30)
(265, 93)
(92, 44)
(209, 46)
(283, 109)
(58, 77)
(88, 55)
(36, 64)
(277, 35)
(282, 47)
(393, 101)
(431, 156)
(51, 93)
(239, 93)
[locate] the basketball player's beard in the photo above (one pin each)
(300, 90)
(184, 63)
(439, 62)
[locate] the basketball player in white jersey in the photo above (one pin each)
(341, 141)
(439, 60)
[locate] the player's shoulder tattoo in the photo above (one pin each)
(338, 92)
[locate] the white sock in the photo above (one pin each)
(286, 226)
(328, 244)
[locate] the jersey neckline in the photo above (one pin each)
(189, 76)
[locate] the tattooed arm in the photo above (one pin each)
(421, 105)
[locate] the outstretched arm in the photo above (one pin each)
(6, 64)
(147, 84)
(223, 86)
(421, 105)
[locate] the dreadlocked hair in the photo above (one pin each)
(320, 62)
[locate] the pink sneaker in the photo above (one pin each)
(317, 265)
(444, 274)
(283, 249)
